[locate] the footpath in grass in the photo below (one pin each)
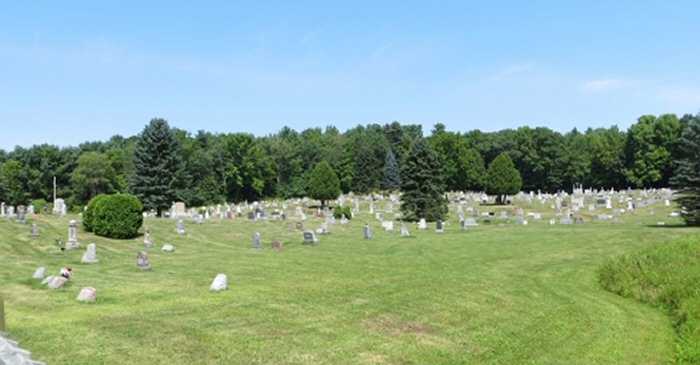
(508, 295)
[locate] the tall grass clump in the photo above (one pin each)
(665, 276)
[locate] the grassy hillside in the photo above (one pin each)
(666, 276)
(508, 295)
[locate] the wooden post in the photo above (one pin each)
(3, 329)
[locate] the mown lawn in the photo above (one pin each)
(506, 295)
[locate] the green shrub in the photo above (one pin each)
(666, 276)
(39, 205)
(88, 213)
(117, 216)
(339, 211)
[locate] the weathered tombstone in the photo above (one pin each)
(168, 248)
(90, 256)
(388, 226)
(178, 210)
(404, 230)
(87, 294)
(142, 260)
(20, 215)
(667, 203)
(40, 273)
(54, 282)
(220, 283)
(310, 238)
(463, 225)
(368, 232)
(58, 206)
(565, 220)
(300, 225)
(438, 226)
(72, 235)
(35, 230)
(147, 239)
(422, 224)
(470, 222)
(256, 240)
(277, 245)
(180, 227)
(284, 216)
(608, 203)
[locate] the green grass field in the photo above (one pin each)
(494, 295)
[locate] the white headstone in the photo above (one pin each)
(90, 256)
(168, 248)
(404, 230)
(220, 283)
(87, 294)
(72, 235)
(39, 273)
(422, 224)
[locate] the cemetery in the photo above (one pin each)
(463, 292)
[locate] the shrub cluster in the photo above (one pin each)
(666, 276)
(114, 216)
(339, 211)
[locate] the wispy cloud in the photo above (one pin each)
(512, 70)
(606, 85)
(680, 97)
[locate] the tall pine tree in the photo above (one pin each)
(502, 178)
(391, 179)
(324, 183)
(158, 170)
(421, 185)
(687, 178)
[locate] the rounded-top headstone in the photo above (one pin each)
(87, 294)
(220, 283)
(39, 273)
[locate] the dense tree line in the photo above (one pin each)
(213, 168)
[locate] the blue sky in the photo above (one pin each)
(75, 71)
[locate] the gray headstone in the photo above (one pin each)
(404, 230)
(368, 232)
(90, 256)
(142, 261)
(147, 239)
(256, 240)
(39, 273)
(463, 225)
(87, 294)
(35, 230)
(310, 238)
(180, 227)
(72, 235)
(438, 226)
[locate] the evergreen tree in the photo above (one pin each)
(324, 183)
(421, 185)
(391, 175)
(502, 178)
(687, 178)
(158, 170)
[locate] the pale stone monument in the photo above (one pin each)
(220, 283)
(72, 235)
(90, 256)
(87, 294)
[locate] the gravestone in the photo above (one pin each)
(220, 283)
(90, 256)
(168, 248)
(277, 245)
(519, 220)
(72, 235)
(256, 240)
(147, 239)
(667, 203)
(552, 222)
(20, 215)
(180, 227)
(251, 216)
(602, 217)
(58, 206)
(422, 224)
(470, 222)
(300, 225)
(178, 210)
(438, 226)
(565, 220)
(87, 294)
(35, 230)
(404, 230)
(463, 225)
(608, 203)
(368, 232)
(388, 226)
(39, 273)
(142, 260)
(310, 238)
(344, 220)
(54, 282)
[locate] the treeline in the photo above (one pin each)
(235, 167)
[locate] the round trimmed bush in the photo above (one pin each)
(116, 216)
(89, 212)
